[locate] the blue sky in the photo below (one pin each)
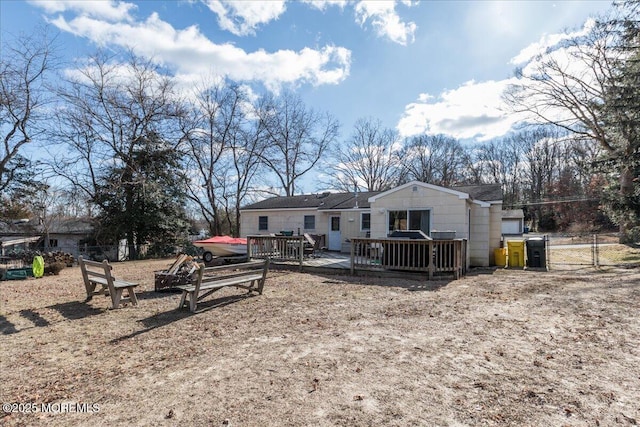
(430, 66)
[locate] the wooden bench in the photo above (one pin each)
(248, 275)
(99, 274)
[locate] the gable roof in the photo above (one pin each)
(341, 201)
(513, 213)
(314, 201)
(460, 194)
(484, 192)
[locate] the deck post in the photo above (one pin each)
(301, 250)
(431, 259)
(353, 259)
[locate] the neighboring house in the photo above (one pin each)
(512, 222)
(64, 235)
(473, 213)
(69, 235)
(16, 243)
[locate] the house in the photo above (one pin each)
(64, 235)
(512, 222)
(473, 213)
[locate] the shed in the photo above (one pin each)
(512, 222)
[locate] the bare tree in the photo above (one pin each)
(245, 162)
(297, 137)
(368, 160)
(436, 159)
(500, 161)
(214, 123)
(225, 145)
(589, 87)
(24, 65)
(117, 120)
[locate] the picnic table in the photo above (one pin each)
(250, 276)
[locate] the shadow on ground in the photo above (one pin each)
(166, 318)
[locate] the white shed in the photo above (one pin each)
(512, 222)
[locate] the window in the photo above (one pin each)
(365, 222)
(309, 222)
(397, 220)
(263, 223)
(335, 223)
(410, 220)
(53, 243)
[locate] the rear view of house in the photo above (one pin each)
(473, 213)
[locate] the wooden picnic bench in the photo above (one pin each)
(249, 275)
(99, 274)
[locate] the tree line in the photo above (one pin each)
(129, 145)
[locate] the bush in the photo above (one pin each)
(631, 237)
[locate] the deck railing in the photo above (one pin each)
(277, 248)
(434, 257)
(431, 256)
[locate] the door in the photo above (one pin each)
(335, 239)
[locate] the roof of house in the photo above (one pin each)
(513, 214)
(57, 226)
(339, 201)
(484, 192)
(314, 201)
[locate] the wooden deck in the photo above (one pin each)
(324, 260)
(434, 258)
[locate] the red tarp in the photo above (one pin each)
(224, 239)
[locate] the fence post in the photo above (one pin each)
(596, 255)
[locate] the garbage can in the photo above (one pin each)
(536, 253)
(500, 256)
(515, 253)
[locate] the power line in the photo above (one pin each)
(551, 202)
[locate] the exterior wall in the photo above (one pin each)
(480, 231)
(495, 230)
(66, 243)
(448, 211)
(512, 226)
(351, 223)
(282, 220)
(293, 220)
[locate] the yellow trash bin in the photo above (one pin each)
(515, 253)
(500, 256)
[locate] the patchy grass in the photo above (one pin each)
(497, 348)
(609, 254)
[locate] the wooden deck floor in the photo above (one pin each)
(331, 260)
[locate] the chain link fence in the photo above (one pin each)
(595, 250)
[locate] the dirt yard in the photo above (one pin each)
(499, 347)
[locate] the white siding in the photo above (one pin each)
(448, 211)
(281, 220)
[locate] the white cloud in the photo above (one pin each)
(243, 17)
(474, 110)
(190, 54)
(385, 20)
(109, 10)
(478, 110)
(325, 4)
(548, 41)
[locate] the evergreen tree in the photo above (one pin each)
(144, 199)
(620, 113)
